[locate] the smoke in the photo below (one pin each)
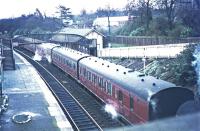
(111, 110)
(37, 56)
(150, 93)
(196, 64)
(154, 104)
(48, 58)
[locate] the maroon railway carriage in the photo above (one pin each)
(137, 97)
(66, 59)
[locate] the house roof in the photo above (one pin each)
(72, 34)
(81, 32)
(66, 38)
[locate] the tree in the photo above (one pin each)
(169, 8)
(188, 14)
(65, 15)
(83, 12)
(144, 8)
(197, 4)
(131, 7)
(38, 13)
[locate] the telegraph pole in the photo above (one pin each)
(109, 20)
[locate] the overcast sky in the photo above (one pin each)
(14, 8)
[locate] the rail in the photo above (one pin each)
(77, 115)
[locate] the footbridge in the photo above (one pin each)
(150, 51)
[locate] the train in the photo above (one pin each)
(137, 97)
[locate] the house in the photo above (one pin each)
(88, 33)
(71, 35)
(102, 22)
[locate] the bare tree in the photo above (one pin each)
(145, 8)
(169, 7)
(188, 14)
(131, 7)
(197, 3)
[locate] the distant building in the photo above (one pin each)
(102, 22)
(72, 35)
(88, 33)
(190, 4)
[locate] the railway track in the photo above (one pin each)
(93, 106)
(79, 117)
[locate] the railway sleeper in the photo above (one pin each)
(84, 118)
(66, 99)
(77, 113)
(91, 128)
(81, 123)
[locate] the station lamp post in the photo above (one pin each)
(1, 76)
(144, 64)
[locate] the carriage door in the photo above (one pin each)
(120, 99)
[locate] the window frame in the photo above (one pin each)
(131, 102)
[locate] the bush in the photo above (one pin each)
(138, 32)
(179, 31)
(179, 70)
(158, 27)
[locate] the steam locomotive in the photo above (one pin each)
(137, 97)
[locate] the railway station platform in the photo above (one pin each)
(28, 94)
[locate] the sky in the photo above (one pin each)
(15, 8)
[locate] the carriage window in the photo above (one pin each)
(74, 66)
(99, 81)
(120, 95)
(104, 85)
(109, 88)
(70, 64)
(89, 75)
(95, 79)
(84, 72)
(92, 78)
(131, 103)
